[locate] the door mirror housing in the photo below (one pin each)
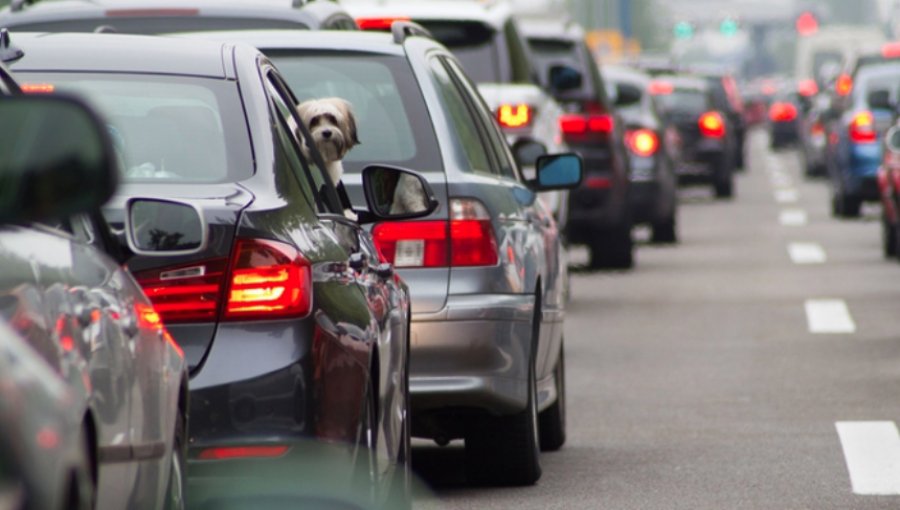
(159, 228)
(394, 193)
(56, 159)
(563, 78)
(627, 95)
(880, 100)
(557, 171)
(892, 139)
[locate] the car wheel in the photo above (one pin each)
(552, 421)
(175, 488)
(505, 450)
(365, 475)
(80, 488)
(888, 238)
(400, 496)
(847, 206)
(723, 185)
(665, 232)
(613, 250)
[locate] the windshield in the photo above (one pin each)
(885, 76)
(391, 117)
(473, 44)
(165, 128)
(683, 101)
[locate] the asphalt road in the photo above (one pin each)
(714, 376)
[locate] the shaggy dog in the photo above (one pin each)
(332, 125)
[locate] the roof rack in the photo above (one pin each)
(403, 29)
(8, 52)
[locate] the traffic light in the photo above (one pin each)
(684, 30)
(729, 27)
(807, 23)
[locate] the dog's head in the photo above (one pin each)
(332, 125)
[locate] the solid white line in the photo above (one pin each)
(806, 253)
(829, 316)
(786, 196)
(793, 218)
(872, 453)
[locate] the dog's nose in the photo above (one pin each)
(326, 133)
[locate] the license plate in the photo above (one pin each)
(410, 253)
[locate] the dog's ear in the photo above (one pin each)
(347, 110)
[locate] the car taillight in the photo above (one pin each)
(186, 293)
(268, 279)
(808, 88)
(660, 88)
(712, 125)
(844, 85)
(38, 88)
(817, 129)
(514, 115)
(642, 142)
(467, 239)
(862, 128)
(243, 452)
(379, 23)
(782, 112)
(581, 128)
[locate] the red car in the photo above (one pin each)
(888, 179)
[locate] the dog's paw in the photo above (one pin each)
(351, 215)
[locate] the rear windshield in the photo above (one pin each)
(391, 116)
(158, 25)
(474, 44)
(164, 128)
(683, 101)
(883, 76)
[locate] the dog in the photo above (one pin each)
(332, 124)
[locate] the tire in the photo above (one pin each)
(80, 489)
(552, 421)
(365, 470)
(665, 232)
(613, 250)
(846, 206)
(175, 498)
(888, 239)
(505, 450)
(400, 496)
(723, 185)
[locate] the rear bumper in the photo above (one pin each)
(474, 354)
(702, 167)
(860, 176)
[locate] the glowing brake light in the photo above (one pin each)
(844, 85)
(514, 116)
(38, 88)
(862, 128)
(379, 23)
(467, 239)
(807, 88)
(243, 452)
(579, 125)
(660, 88)
(268, 279)
(712, 125)
(891, 50)
(642, 142)
(782, 112)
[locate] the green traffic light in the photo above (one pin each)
(729, 27)
(684, 30)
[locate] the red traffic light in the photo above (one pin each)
(807, 24)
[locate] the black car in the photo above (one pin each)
(727, 99)
(161, 16)
(291, 326)
(785, 114)
(706, 142)
(654, 185)
(599, 210)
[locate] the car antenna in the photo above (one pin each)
(8, 52)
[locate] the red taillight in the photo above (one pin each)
(862, 128)
(844, 85)
(379, 23)
(660, 88)
(38, 88)
(891, 50)
(186, 293)
(467, 239)
(642, 142)
(807, 88)
(712, 125)
(575, 124)
(268, 279)
(817, 129)
(782, 112)
(243, 452)
(514, 115)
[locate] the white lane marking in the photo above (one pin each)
(786, 196)
(806, 253)
(780, 180)
(872, 453)
(827, 316)
(793, 217)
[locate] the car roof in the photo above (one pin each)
(119, 53)
(685, 82)
(373, 42)
(626, 74)
(559, 29)
(493, 13)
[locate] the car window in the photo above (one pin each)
(326, 197)
(165, 128)
(392, 120)
(683, 101)
(503, 155)
(468, 138)
(884, 76)
(475, 45)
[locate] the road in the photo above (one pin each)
(732, 371)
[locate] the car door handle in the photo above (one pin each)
(358, 261)
(384, 270)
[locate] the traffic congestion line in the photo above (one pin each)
(806, 253)
(793, 218)
(829, 316)
(872, 453)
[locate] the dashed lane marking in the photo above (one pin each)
(872, 453)
(786, 196)
(829, 316)
(806, 253)
(793, 217)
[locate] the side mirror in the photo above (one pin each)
(892, 139)
(394, 193)
(627, 95)
(558, 171)
(527, 152)
(156, 227)
(563, 78)
(880, 100)
(56, 158)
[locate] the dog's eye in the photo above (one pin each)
(315, 121)
(331, 118)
